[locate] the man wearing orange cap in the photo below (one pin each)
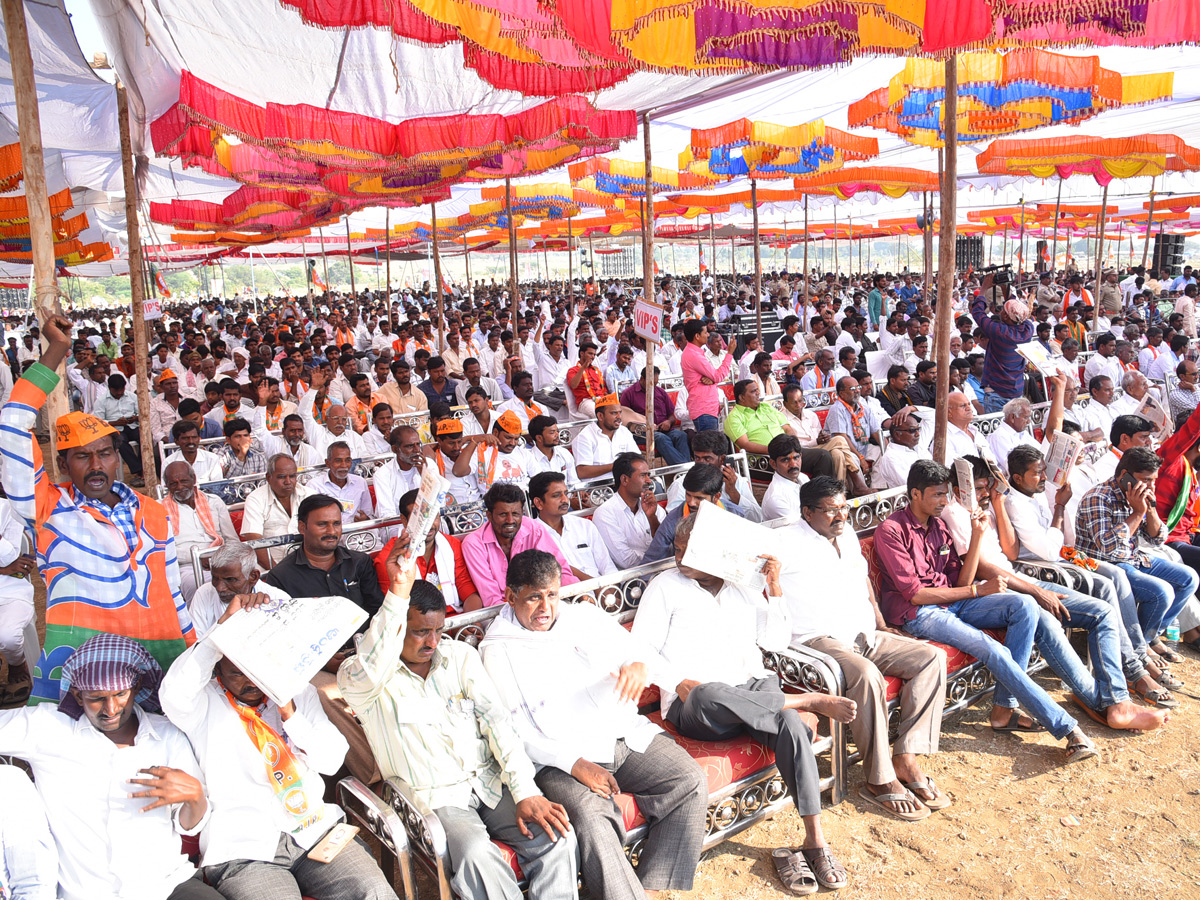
(602, 441)
(106, 553)
(448, 433)
(497, 458)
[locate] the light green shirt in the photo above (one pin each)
(759, 425)
(448, 735)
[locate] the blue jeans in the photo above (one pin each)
(673, 446)
(1114, 589)
(1162, 589)
(992, 402)
(959, 626)
(705, 423)
(1105, 684)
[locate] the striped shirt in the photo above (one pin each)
(1003, 366)
(448, 734)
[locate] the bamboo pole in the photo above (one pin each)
(1099, 260)
(141, 350)
(949, 195)
(467, 261)
(349, 259)
(804, 281)
(437, 277)
(927, 246)
(712, 236)
(648, 286)
(570, 258)
(835, 268)
(757, 260)
(37, 199)
(387, 264)
(512, 249)
(1022, 238)
(1149, 226)
(1054, 249)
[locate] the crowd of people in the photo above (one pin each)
(144, 739)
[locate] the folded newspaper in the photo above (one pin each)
(1061, 457)
(1045, 362)
(964, 476)
(728, 546)
(282, 644)
(1151, 408)
(431, 497)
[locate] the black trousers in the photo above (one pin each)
(814, 461)
(129, 453)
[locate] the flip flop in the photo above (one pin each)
(1081, 750)
(1166, 652)
(939, 801)
(1169, 681)
(880, 801)
(1159, 697)
(794, 873)
(1014, 723)
(830, 872)
(1099, 717)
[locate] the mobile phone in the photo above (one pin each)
(729, 461)
(1125, 482)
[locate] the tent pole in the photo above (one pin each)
(757, 259)
(570, 258)
(387, 264)
(141, 350)
(835, 268)
(1099, 260)
(253, 286)
(947, 188)
(804, 280)
(712, 236)
(349, 259)
(467, 261)
(307, 276)
(1022, 234)
(1054, 248)
(927, 246)
(512, 247)
(437, 278)
(648, 285)
(324, 258)
(1149, 227)
(37, 199)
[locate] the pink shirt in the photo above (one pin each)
(489, 566)
(702, 398)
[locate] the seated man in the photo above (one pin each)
(751, 424)
(629, 518)
(904, 449)
(496, 459)
(701, 483)
(1127, 431)
(206, 464)
(851, 416)
(547, 453)
(601, 442)
(931, 592)
(711, 634)
(463, 758)
(234, 569)
(265, 818)
(97, 759)
(449, 446)
(198, 519)
(582, 728)
(442, 564)
(506, 533)
(576, 536)
(670, 440)
(782, 497)
(270, 509)
(1098, 415)
(711, 448)
(839, 616)
(1012, 431)
(239, 456)
(814, 436)
(340, 483)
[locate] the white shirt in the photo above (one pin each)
(207, 465)
(1102, 365)
(320, 437)
(191, 530)
(961, 442)
(560, 461)
(1167, 362)
(306, 455)
(355, 496)
(473, 427)
(891, 470)
(1097, 415)
(626, 532)
(107, 407)
(517, 407)
(592, 447)
(826, 591)
(108, 849)
(1031, 518)
(28, 857)
(958, 522)
(1004, 439)
(262, 513)
(549, 373)
(206, 606)
(1147, 358)
(782, 497)
(489, 385)
(391, 483)
(582, 545)
(746, 501)
(576, 714)
(247, 818)
(709, 638)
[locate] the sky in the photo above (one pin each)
(87, 32)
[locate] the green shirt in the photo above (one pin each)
(759, 425)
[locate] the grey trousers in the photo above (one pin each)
(480, 871)
(672, 794)
(922, 699)
(353, 875)
(720, 712)
(194, 889)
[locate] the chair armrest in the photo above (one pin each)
(807, 670)
(424, 828)
(369, 811)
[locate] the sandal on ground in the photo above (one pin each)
(1014, 722)
(1169, 681)
(794, 872)
(939, 801)
(1194, 643)
(880, 801)
(1166, 652)
(1096, 716)
(1079, 750)
(1160, 697)
(830, 872)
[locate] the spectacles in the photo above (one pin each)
(906, 431)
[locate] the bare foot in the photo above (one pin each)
(1134, 717)
(841, 709)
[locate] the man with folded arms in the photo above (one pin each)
(434, 718)
(582, 727)
(931, 592)
(711, 633)
(838, 615)
(97, 759)
(263, 765)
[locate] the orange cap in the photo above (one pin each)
(78, 429)
(608, 400)
(510, 422)
(166, 375)
(448, 426)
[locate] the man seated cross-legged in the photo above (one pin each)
(709, 631)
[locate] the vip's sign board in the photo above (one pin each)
(152, 309)
(647, 320)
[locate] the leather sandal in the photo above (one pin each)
(831, 873)
(794, 872)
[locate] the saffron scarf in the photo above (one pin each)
(203, 512)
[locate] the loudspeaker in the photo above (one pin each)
(968, 252)
(1168, 254)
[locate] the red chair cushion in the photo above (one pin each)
(235, 516)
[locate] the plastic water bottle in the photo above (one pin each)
(1172, 633)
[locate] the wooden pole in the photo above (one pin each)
(835, 268)
(1099, 260)
(757, 260)
(387, 265)
(467, 261)
(141, 350)
(949, 194)
(570, 258)
(1022, 238)
(1054, 246)
(927, 246)
(712, 236)
(1149, 226)
(349, 259)
(37, 199)
(804, 281)
(648, 285)
(437, 277)
(512, 249)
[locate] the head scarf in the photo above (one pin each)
(110, 662)
(1018, 310)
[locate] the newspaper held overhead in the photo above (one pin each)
(727, 546)
(1061, 458)
(431, 497)
(964, 477)
(284, 643)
